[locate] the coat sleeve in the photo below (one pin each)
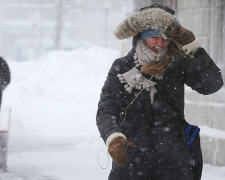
(109, 106)
(202, 74)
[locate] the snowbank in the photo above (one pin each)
(56, 97)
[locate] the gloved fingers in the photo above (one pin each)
(119, 155)
(186, 36)
(130, 143)
(113, 147)
(178, 45)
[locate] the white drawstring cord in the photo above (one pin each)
(108, 159)
(125, 113)
(122, 123)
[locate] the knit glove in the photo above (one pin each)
(117, 150)
(183, 38)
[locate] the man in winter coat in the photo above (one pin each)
(142, 101)
(4, 76)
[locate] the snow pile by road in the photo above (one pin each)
(56, 96)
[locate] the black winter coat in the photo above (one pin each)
(4, 76)
(157, 129)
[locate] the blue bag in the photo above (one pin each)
(194, 147)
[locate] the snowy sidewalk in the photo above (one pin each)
(69, 162)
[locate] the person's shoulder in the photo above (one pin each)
(2, 59)
(118, 65)
(121, 61)
(122, 64)
(126, 60)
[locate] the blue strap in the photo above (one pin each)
(197, 129)
(187, 130)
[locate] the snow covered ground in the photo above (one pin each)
(53, 135)
(70, 162)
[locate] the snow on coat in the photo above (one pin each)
(156, 128)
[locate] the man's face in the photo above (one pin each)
(157, 43)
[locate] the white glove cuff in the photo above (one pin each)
(191, 46)
(112, 136)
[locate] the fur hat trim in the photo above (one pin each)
(137, 21)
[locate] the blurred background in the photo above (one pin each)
(30, 28)
(59, 53)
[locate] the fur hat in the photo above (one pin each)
(155, 16)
